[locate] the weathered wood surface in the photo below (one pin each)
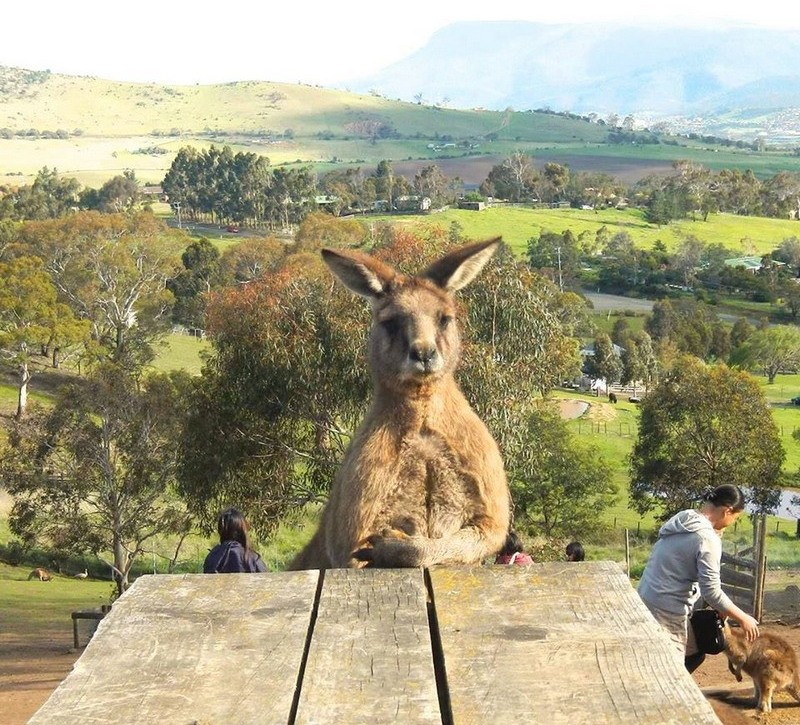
(198, 648)
(552, 643)
(558, 643)
(370, 657)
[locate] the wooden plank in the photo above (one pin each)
(567, 643)
(738, 561)
(737, 578)
(202, 648)
(370, 656)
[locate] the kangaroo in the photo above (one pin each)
(422, 481)
(770, 660)
(41, 574)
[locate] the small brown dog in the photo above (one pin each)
(770, 660)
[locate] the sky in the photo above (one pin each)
(307, 41)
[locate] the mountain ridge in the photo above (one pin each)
(653, 72)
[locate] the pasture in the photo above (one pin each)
(107, 127)
(745, 235)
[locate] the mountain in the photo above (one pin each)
(647, 71)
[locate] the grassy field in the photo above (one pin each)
(745, 235)
(181, 352)
(108, 126)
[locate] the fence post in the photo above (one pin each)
(760, 557)
(627, 554)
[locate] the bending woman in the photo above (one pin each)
(687, 556)
(233, 553)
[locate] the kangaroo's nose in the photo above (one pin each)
(422, 353)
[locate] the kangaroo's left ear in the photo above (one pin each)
(458, 268)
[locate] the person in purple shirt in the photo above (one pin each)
(233, 553)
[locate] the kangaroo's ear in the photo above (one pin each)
(458, 268)
(360, 273)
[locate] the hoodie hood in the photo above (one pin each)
(686, 522)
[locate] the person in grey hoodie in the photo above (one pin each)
(684, 565)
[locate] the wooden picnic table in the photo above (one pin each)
(555, 643)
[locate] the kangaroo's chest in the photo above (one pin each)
(432, 488)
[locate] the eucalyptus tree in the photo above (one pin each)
(701, 426)
(111, 269)
(771, 350)
(95, 472)
(31, 317)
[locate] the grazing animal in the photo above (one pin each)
(41, 574)
(82, 575)
(770, 660)
(422, 481)
(612, 397)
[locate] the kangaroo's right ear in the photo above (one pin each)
(360, 273)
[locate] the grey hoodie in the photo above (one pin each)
(688, 551)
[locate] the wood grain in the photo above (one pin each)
(558, 643)
(370, 658)
(197, 648)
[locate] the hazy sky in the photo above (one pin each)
(309, 41)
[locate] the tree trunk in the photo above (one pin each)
(22, 397)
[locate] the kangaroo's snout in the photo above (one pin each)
(426, 357)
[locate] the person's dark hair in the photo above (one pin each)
(232, 526)
(575, 551)
(512, 545)
(726, 495)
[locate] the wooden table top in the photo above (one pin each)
(550, 643)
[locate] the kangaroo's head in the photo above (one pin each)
(414, 338)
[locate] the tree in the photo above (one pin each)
(559, 486)
(557, 256)
(700, 427)
(638, 361)
(250, 259)
(49, 196)
(119, 194)
(773, 350)
(557, 177)
(431, 182)
(278, 397)
(30, 318)
(95, 473)
(514, 179)
(111, 269)
(789, 252)
(604, 363)
(201, 273)
(741, 330)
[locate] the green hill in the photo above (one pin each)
(750, 235)
(92, 129)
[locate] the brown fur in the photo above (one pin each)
(770, 660)
(422, 481)
(41, 574)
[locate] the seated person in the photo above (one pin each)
(575, 551)
(233, 553)
(512, 551)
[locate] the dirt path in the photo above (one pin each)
(31, 667)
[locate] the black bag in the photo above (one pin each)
(708, 632)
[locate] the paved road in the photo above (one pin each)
(604, 303)
(617, 303)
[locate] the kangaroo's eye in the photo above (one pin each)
(391, 326)
(444, 321)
